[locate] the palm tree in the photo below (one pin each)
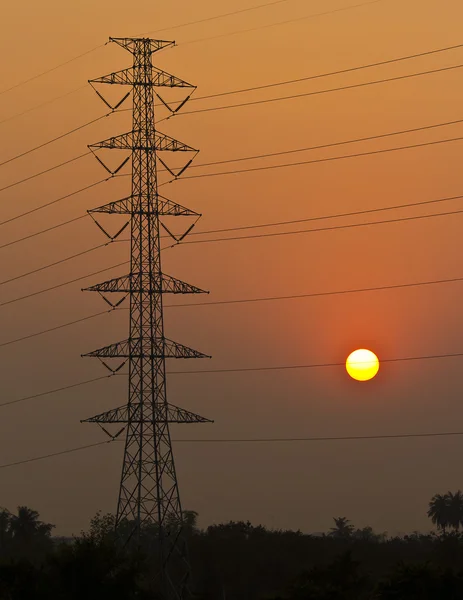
(26, 525)
(439, 511)
(343, 528)
(455, 502)
(5, 529)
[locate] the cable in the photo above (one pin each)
(250, 440)
(324, 217)
(32, 235)
(265, 86)
(56, 390)
(295, 20)
(58, 262)
(45, 72)
(330, 73)
(319, 92)
(251, 300)
(36, 458)
(37, 106)
(330, 145)
(331, 228)
(13, 87)
(323, 439)
(59, 137)
(321, 160)
(320, 294)
(264, 168)
(7, 187)
(241, 370)
(31, 335)
(312, 366)
(280, 233)
(295, 221)
(222, 16)
(37, 208)
(323, 146)
(59, 285)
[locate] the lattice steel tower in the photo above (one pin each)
(148, 493)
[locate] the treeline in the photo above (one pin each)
(233, 561)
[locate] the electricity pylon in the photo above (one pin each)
(148, 495)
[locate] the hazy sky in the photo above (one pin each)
(385, 483)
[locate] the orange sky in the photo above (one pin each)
(299, 485)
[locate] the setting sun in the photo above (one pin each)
(362, 365)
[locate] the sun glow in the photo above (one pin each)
(362, 365)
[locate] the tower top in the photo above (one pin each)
(133, 44)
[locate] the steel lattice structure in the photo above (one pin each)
(149, 495)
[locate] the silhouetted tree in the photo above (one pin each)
(421, 582)
(338, 581)
(5, 531)
(455, 502)
(26, 525)
(368, 535)
(26, 535)
(343, 528)
(447, 510)
(439, 512)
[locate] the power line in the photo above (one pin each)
(333, 216)
(321, 294)
(250, 300)
(338, 215)
(319, 92)
(422, 128)
(265, 86)
(345, 438)
(87, 52)
(66, 162)
(32, 235)
(250, 440)
(36, 458)
(37, 208)
(331, 228)
(41, 74)
(330, 145)
(214, 18)
(280, 233)
(37, 106)
(313, 366)
(58, 262)
(56, 390)
(59, 285)
(169, 28)
(295, 20)
(240, 370)
(55, 139)
(330, 73)
(49, 330)
(322, 160)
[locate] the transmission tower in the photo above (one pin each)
(148, 495)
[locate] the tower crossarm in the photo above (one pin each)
(131, 284)
(125, 206)
(135, 140)
(172, 285)
(133, 413)
(133, 348)
(158, 78)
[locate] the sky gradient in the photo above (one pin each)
(384, 483)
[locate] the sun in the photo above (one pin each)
(362, 365)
